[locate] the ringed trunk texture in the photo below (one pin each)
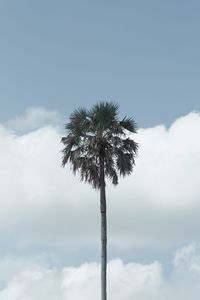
(103, 231)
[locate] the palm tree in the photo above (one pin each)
(97, 146)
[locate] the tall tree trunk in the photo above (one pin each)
(103, 230)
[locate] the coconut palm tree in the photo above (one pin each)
(97, 146)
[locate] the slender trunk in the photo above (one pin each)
(103, 230)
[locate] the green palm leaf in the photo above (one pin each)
(95, 132)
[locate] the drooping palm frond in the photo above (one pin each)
(129, 124)
(98, 132)
(78, 124)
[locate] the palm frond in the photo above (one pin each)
(125, 163)
(103, 114)
(130, 146)
(79, 123)
(129, 124)
(95, 132)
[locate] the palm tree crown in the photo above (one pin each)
(98, 133)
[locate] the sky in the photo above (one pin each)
(56, 56)
(62, 54)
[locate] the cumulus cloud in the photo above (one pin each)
(160, 202)
(43, 204)
(34, 118)
(125, 281)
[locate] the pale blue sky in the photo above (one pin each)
(62, 54)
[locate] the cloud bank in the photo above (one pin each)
(34, 118)
(43, 204)
(125, 281)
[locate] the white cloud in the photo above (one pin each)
(125, 281)
(171, 159)
(34, 118)
(158, 206)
